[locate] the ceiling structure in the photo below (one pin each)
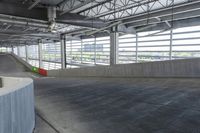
(26, 21)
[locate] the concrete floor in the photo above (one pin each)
(114, 105)
(120, 105)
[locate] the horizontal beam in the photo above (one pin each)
(5, 35)
(176, 24)
(22, 11)
(40, 14)
(79, 20)
(180, 16)
(17, 21)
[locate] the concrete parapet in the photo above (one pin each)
(26, 64)
(172, 68)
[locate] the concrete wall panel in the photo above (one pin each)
(173, 68)
(17, 106)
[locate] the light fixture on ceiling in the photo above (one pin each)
(51, 17)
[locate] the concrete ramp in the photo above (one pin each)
(9, 65)
(12, 66)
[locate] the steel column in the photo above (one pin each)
(136, 52)
(114, 42)
(63, 51)
(171, 43)
(95, 51)
(26, 50)
(18, 51)
(81, 51)
(40, 53)
(12, 49)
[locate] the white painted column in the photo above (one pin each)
(136, 54)
(95, 51)
(40, 53)
(63, 51)
(81, 50)
(114, 42)
(18, 51)
(171, 43)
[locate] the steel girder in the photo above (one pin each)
(40, 14)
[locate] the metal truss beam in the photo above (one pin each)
(76, 6)
(95, 5)
(159, 27)
(119, 8)
(163, 17)
(34, 4)
(181, 11)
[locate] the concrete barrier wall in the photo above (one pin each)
(173, 68)
(1, 85)
(26, 64)
(19, 59)
(17, 106)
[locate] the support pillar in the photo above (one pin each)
(40, 53)
(171, 41)
(136, 54)
(26, 50)
(12, 49)
(18, 51)
(63, 51)
(95, 51)
(114, 42)
(81, 51)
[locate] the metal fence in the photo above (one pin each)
(127, 49)
(88, 52)
(160, 45)
(5, 49)
(51, 56)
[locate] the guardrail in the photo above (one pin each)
(17, 113)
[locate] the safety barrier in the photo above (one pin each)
(183, 68)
